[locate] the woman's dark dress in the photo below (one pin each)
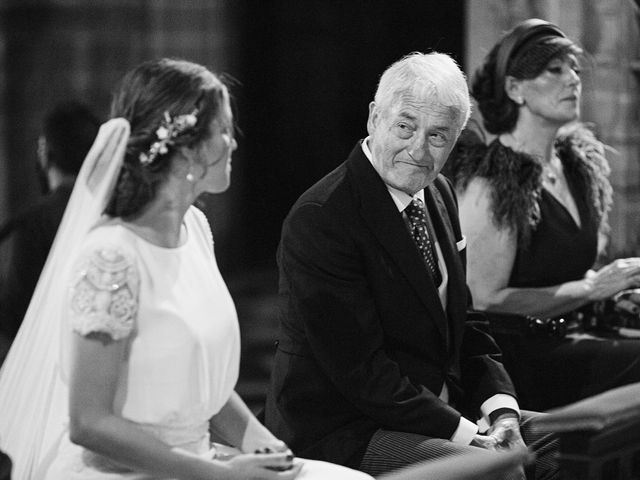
(550, 372)
(560, 250)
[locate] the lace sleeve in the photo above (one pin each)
(104, 294)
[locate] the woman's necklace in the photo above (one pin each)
(550, 172)
(550, 176)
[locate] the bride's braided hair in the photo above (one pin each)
(146, 96)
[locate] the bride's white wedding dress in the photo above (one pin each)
(174, 309)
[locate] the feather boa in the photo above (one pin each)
(516, 178)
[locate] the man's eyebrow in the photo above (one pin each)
(407, 115)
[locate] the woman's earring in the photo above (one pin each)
(520, 101)
(190, 177)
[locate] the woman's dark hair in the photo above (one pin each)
(146, 94)
(523, 53)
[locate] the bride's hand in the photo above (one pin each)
(258, 439)
(273, 446)
(265, 444)
(267, 466)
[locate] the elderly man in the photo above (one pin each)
(377, 365)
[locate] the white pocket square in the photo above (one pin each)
(462, 244)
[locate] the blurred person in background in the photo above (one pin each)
(68, 132)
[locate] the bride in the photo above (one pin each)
(129, 352)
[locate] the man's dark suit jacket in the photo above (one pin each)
(364, 341)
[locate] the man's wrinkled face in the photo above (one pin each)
(410, 139)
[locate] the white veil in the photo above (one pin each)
(33, 393)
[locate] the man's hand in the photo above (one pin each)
(506, 431)
(488, 442)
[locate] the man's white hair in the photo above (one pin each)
(426, 74)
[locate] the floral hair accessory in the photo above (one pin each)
(169, 129)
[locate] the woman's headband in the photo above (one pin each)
(518, 37)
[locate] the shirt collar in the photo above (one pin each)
(400, 198)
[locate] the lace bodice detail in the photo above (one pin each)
(104, 293)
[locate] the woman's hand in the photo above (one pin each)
(619, 275)
(267, 466)
(263, 441)
(236, 425)
(272, 445)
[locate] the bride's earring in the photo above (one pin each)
(190, 178)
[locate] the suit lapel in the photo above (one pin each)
(456, 289)
(381, 215)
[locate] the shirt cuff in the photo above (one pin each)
(465, 432)
(499, 400)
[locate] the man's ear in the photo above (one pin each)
(513, 88)
(374, 118)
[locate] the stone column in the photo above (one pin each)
(4, 174)
(612, 101)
